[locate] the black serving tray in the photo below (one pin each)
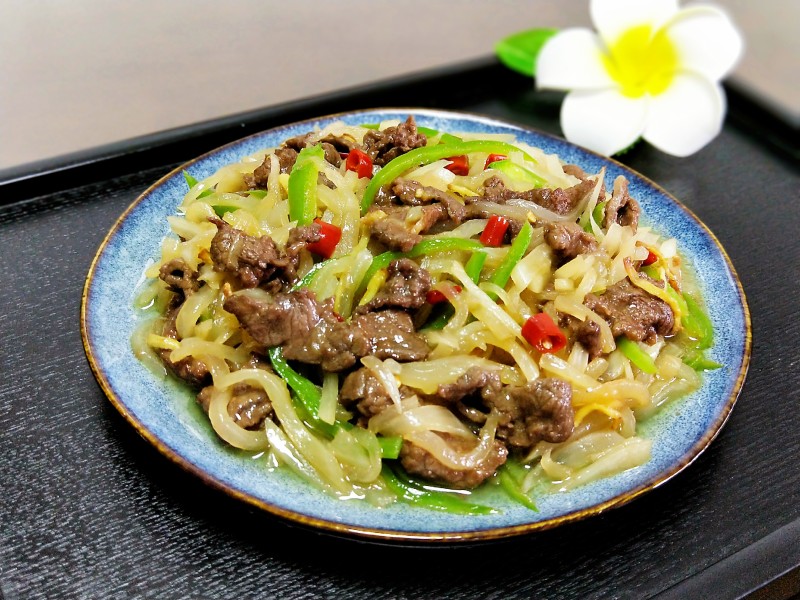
(88, 509)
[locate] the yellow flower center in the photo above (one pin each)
(642, 63)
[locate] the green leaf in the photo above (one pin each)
(520, 51)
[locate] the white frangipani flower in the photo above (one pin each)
(652, 70)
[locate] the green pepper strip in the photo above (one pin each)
(190, 181)
(445, 139)
(442, 318)
(697, 324)
(427, 155)
(474, 266)
(517, 172)
(405, 489)
(444, 244)
(221, 209)
(424, 247)
(598, 214)
(390, 446)
(511, 486)
(698, 361)
(312, 273)
(518, 248)
(303, 186)
(636, 355)
(306, 395)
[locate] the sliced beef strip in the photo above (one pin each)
(190, 369)
(621, 209)
(259, 179)
(330, 145)
(336, 345)
(258, 260)
(472, 381)
(342, 143)
(560, 201)
(332, 344)
(575, 171)
(393, 233)
(383, 146)
(413, 193)
(406, 286)
(632, 312)
(299, 238)
(363, 390)
(539, 410)
(287, 156)
(248, 406)
(389, 225)
(431, 215)
(568, 240)
(390, 334)
(586, 332)
(280, 319)
(311, 332)
(420, 462)
(179, 276)
(253, 260)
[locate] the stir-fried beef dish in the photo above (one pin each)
(364, 324)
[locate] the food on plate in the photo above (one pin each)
(393, 312)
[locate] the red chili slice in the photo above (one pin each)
(494, 231)
(458, 165)
(329, 238)
(493, 158)
(437, 296)
(651, 258)
(543, 334)
(360, 162)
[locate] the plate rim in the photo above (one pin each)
(403, 536)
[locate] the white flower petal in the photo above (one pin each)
(572, 59)
(686, 116)
(604, 121)
(613, 17)
(706, 40)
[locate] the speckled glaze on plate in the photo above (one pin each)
(163, 412)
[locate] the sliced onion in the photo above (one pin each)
(429, 417)
(561, 368)
(448, 456)
(504, 210)
(627, 392)
(630, 453)
(426, 376)
(314, 450)
(288, 455)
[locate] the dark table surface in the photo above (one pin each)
(88, 509)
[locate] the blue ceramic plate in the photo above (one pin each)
(165, 413)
